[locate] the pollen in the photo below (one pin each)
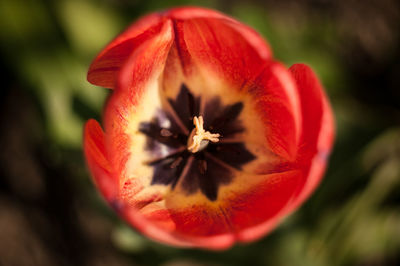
(199, 137)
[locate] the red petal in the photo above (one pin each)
(103, 70)
(318, 130)
(243, 216)
(98, 163)
(247, 32)
(142, 69)
(193, 12)
(147, 61)
(277, 103)
(253, 37)
(219, 47)
(259, 210)
(201, 221)
(149, 228)
(137, 220)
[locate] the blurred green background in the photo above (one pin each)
(50, 213)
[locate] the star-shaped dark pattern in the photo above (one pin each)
(206, 169)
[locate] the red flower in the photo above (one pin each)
(207, 140)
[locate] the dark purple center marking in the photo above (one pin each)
(204, 170)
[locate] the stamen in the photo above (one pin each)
(165, 132)
(199, 138)
(202, 165)
(176, 162)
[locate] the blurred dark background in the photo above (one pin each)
(50, 213)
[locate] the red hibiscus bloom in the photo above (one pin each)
(207, 140)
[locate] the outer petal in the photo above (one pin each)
(249, 34)
(318, 130)
(216, 242)
(217, 47)
(188, 12)
(259, 210)
(104, 69)
(277, 101)
(244, 216)
(96, 157)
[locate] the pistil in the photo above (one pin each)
(199, 138)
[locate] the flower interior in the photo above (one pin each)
(170, 137)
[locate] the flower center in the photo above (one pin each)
(185, 159)
(199, 138)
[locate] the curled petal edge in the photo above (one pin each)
(96, 156)
(317, 151)
(104, 68)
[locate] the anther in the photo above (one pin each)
(199, 138)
